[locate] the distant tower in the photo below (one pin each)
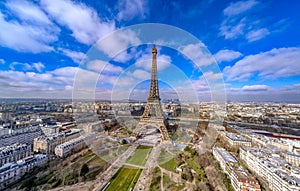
(153, 114)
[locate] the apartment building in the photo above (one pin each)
(12, 172)
(14, 153)
(74, 145)
(235, 140)
(240, 179)
(47, 144)
(276, 172)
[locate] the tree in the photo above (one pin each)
(124, 141)
(84, 169)
(183, 176)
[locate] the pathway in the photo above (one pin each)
(145, 178)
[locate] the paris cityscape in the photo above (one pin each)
(138, 95)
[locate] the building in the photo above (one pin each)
(74, 145)
(273, 170)
(47, 144)
(223, 157)
(14, 153)
(279, 143)
(28, 163)
(12, 172)
(66, 125)
(9, 174)
(292, 158)
(20, 138)
(240, 179)
(96, 126)
(49, 129)
(235, 140)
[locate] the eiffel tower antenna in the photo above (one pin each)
(153, 114)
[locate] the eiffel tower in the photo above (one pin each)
(153, 114)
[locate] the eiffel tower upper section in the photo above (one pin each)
(154, 92)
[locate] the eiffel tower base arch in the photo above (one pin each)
(158, 124)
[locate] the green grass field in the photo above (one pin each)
(125, 179)
(170, 185)
(140, 155)
(200, 171)
(127, 176)
(170, 165)
(167, 161)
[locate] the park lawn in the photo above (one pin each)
(122, 149)
(171, 185)
(167, 161)
(200, 171)
(124, 179)
(155, 182)
(96, 161)
(170, 165)
(164, 157)
(140, 155)
(88, 155)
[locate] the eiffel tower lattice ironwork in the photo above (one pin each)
(153, 114)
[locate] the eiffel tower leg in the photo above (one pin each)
(164, 133)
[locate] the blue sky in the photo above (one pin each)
(255, 44)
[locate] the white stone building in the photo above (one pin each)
(74, 145)
(12, 172)
(14, 152)
(276, 172)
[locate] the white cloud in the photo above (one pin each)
(83, 21)
(255, 88)
(294, 87)
(239, 7)
(198, 53)
(103, 67)
(57, 83)
(123, 57)
(227, 55)
(236, 24)
(65, 71)
(68, 87)
(200, 85)
(2, 61)
(282, 62)
(24, 66)
(126, 55)
(145, 61)
(24, 37)
(38, 66)
(208, 81)
(210, 76)
(29, 12)
(123, 82)
(231, 28)
(141, 74)
(77, 57)
(130, 9)
(255, 35)
(52, 84)
(114, 44)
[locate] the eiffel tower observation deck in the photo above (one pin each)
(153, 114)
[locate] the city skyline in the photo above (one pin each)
(254, 43)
